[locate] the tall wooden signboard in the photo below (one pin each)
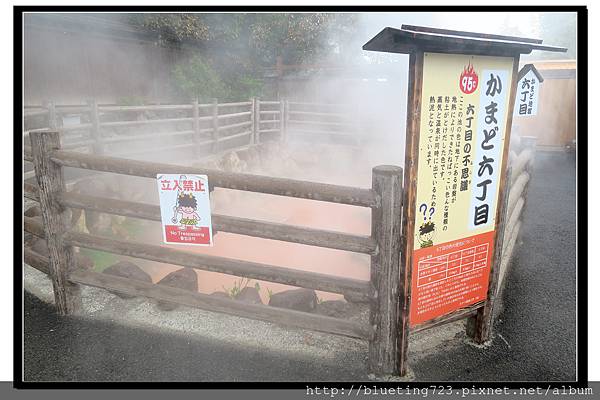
(461, 95)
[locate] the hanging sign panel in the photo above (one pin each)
(464, 111)
(528, 93)
(185, 209)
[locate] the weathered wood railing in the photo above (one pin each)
(382, 291)
(203, 128)
(318, 120)
(521, 163)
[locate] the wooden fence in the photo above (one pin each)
(386, 291)
(381, 291)
(97, 125)
(199, 129)
(519, 174)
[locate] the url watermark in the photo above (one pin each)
(374, 390)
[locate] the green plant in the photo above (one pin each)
(101, 259)
(269, 293)
(197, 79)
(131, 101)
(238, 285)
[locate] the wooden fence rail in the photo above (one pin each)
(383, 332)
(386, 335)
(520, 172)
(210, 123)
(384, 199)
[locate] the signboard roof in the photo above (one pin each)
(410, 38)
(529, 67)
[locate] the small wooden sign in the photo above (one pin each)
(528, 91)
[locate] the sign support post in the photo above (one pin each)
(413, 118)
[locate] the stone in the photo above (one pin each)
(222, 295)
(355, 299)
(127, 269)
(40, 246)
(84, 262)
(184, 278)
(249, 294)
(96, 223)
(230, 162)
(296, 299)
(34, 211)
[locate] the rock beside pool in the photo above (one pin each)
(221, 295)
(39, 246)
(84, 262)
(249, 294)
(34, 211)
(128, 270)
(353, 298)
(184, 278)
(296, 299)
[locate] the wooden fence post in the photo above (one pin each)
(286, 120)
(95, 131)
(196, 126)
(282, 126)
(52, 120)
(215, 125)
(387, 351)
(51, 183)
(257, 120)
(528, 143)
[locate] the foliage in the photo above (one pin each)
(233, 50)
(171, 27)
(131, 101)
(101, 259)
(197, 79)
(238, 285)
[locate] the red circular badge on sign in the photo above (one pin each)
(468, 80)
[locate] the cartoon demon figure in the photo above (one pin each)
(426, 234)
(186, 207)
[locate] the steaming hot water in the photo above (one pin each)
(280, 209)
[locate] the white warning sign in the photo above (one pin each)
(185, 209)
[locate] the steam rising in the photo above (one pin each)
(113, 62)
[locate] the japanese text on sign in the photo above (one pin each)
(527, 97)
(185, 209)
(462, 129)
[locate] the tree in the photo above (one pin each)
(197, 79)
(238, 47)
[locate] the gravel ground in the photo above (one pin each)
(132, 340)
